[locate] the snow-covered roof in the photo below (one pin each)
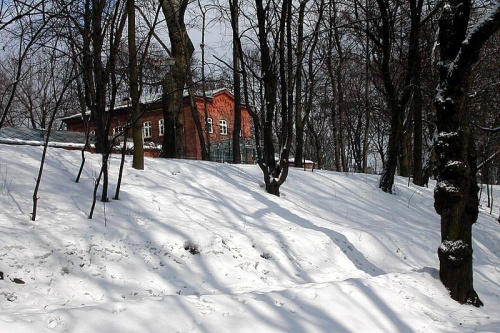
(58, 139)
(152, 98)
(30, 136)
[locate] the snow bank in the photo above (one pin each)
(197, 246)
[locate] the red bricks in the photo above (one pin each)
(220, 107)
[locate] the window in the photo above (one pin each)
(223, 127)
(146, 130)
(161, 126)
(118, 130)
(210, 125)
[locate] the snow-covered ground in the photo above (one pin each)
(332, 254)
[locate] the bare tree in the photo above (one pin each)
(138, 161)
(27, 21)
(173, 87)
(99, 26)
(397, 100)
(456, 199)
(61, 77)
(235, 22)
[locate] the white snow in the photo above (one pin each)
(332, 254)
(452, 246)
(445, 186)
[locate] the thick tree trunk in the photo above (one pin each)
(397, 115)
(456, 193)
(196, 119)
(273, 188)
(138, 160)
(270, 84)
(182, 51)
(404, 155)
(168, 144)
(393, 147)
(456, 200)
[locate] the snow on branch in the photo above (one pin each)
(486, 129)
(478, 35)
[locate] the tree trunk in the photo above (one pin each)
(456, 193)
(418, 176)
(234, 7)
(299, 123)
(397, 102)
(196, 119)
(45, 146)
(182, 51)
(404, 155)
(317, 144)
(168, 144)
(393, 146)
(204, 83)
(122, 162)
(138, 160)
(270, 83)
(367, 101)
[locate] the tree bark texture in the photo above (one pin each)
(138, 159)
(397, 100)
(299, 123)
(456, 192)
(397, 115)
(96, 75)
(204, 82)
(182, 50)
(234, 7)
(270, 83)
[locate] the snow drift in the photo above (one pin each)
(198, 246)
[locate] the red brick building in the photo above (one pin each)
(220, 107)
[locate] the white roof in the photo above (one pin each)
(151, 98)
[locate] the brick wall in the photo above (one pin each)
(220, 107)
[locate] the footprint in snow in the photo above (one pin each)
(54, 321)
(279, 304)
(312, 295)
(119, 309)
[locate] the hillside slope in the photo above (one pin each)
(197, 246)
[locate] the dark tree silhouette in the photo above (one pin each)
(456, 199)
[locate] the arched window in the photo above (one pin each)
(161, 127)
(210, 125)
(146, 130)
(223, 127)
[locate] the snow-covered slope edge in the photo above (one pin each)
(333, 254)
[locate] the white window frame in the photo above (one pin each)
(223, 126)
(210, 125)
(147, 130)
(161, 127)
(118, 129)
